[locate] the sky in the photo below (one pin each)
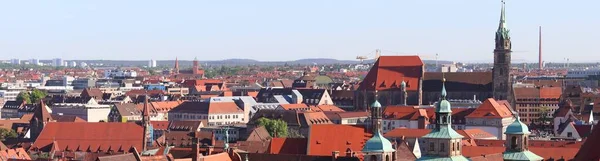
(276, 30)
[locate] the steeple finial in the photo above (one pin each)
(443, 87)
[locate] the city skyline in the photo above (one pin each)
(264, 30)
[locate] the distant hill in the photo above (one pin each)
(231, 62)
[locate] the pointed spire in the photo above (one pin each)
(41, 113)
(444, 87)
(502, 17)
(145, 111)
(503, 31)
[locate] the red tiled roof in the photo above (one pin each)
(589, 149)
(408, 133)
(389, 72)
(288, 146)
(474, 151)
(491, 109)
(556, 153)
(327, 108)
(324, 139)
(92, 136)
(475, 134)
(160, 125)
(10, 154)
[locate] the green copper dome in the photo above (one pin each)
(378, 143)
(443, 107)
(376, 104)
(517, 127)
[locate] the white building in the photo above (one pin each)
(9, 95)
(90, 111)
(83, 65)
(34, 62)
(151, 63)
(68, 81)
(72, 64)
(58, 62)
(217, 113)
(119, 73)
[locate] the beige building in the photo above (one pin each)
(531, 102)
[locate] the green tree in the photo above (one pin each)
(544, 112)
(36, 95)
(276, 128)
(24, 96)
(7, 133)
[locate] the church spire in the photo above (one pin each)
(503, 31)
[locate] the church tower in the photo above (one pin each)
(501, 72)
(443, 143)
(517, 139)
(195, 66)
(148, 130)
(378, 148)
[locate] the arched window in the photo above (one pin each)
(513, 143)
(525, 143)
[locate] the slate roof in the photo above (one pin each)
(206, 107)
(458, 81)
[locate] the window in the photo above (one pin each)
(442, 147)
(431, 147)
(513, 144)
(569, 134)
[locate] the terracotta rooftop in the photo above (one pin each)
(89, 136)
(491, 109)
(588, 150)
(388, 72)
(324, 139)
(288, 146)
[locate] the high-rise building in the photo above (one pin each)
(57, 62)
(15, 61)
(34, 61)
(501, 72)
(151, 63)
(72, 64)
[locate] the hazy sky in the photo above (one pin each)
(460, 30)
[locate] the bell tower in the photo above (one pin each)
(501, 72)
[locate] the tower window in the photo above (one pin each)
(442, 147)
(431, 147)
(513, 144)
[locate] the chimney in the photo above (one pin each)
(335, 155)
(541, 64)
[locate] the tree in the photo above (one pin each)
(7, 133)
(37, 95)
(276, 128)
(24, 96)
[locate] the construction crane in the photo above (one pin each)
(365, 57)
(377, 54)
